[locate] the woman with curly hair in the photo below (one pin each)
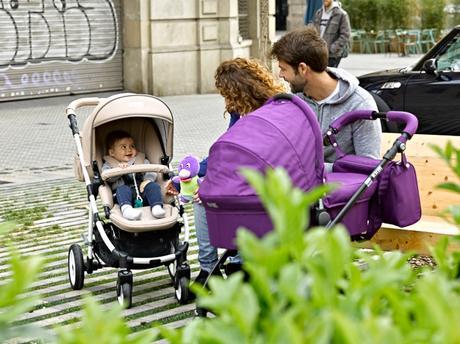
(245, 85)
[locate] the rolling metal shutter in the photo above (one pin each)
(57, 47)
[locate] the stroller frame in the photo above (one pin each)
(98, 234)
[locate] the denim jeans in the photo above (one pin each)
(151, 195)
(334, 61)
(207, 254)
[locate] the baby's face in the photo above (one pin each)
(123, 150)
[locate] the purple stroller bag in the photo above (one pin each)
(282, 133)
(397, 200)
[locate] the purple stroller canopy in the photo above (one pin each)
(284, 132)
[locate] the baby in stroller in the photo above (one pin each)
(123, 153)
(107, 159)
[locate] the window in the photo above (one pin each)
(450, 59)
(243, 18)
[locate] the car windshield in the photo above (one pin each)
(449, 59)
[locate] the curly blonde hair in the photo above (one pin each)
(245, 84)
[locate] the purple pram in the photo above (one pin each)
(285, 132)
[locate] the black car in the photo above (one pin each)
(430, 89)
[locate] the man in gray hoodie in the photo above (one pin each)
(302, 58)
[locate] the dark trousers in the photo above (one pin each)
(334, 61)
(151, 195)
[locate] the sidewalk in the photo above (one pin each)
(37, 144)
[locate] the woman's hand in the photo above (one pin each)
(143, 185)
(170, 189)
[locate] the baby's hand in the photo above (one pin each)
(123, 164)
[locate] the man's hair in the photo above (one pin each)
(245, 84)
(302, 45)
(114, 136)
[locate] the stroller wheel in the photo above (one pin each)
(76, 267)
(201, 312)
(125, 294)
(182, 290)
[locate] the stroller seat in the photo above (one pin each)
(147, 222)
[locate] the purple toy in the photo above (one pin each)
(188, 178)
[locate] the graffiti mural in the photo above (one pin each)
(36, 31)
(57, 46)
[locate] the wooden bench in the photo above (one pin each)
(431, 171)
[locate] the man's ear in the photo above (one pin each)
(303, 68)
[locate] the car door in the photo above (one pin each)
(435, 98)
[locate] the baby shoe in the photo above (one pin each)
(158, 211)
(131, 213)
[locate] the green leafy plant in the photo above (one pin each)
(315, 287)
(103, 326)
(12, 302)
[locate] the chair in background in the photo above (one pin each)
(412, 43)
(427, 39)
(381, 42)
(393, 41)
(360, 42)
(409, 42)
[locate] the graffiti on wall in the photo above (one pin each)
(38, 32)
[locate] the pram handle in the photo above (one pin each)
(409, 119)
(78, 103)
(136, 168)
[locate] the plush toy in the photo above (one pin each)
(188, 178)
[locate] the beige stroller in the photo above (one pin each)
(121, 243)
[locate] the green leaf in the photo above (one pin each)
(450, 187)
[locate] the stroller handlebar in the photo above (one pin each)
(78, 103)
(409, 119)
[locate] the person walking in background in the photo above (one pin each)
(333, 24)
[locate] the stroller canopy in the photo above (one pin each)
(284, 132)
(145, 117)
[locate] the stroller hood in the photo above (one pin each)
(147, 118)
(284, 132)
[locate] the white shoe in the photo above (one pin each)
(131, 213)
(158, 211)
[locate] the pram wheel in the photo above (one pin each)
(76, 267)
(201, 312)
(125, 294)
(125, 288)
(182, 290)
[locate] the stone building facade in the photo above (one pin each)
(174, 47)
(159, 47)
